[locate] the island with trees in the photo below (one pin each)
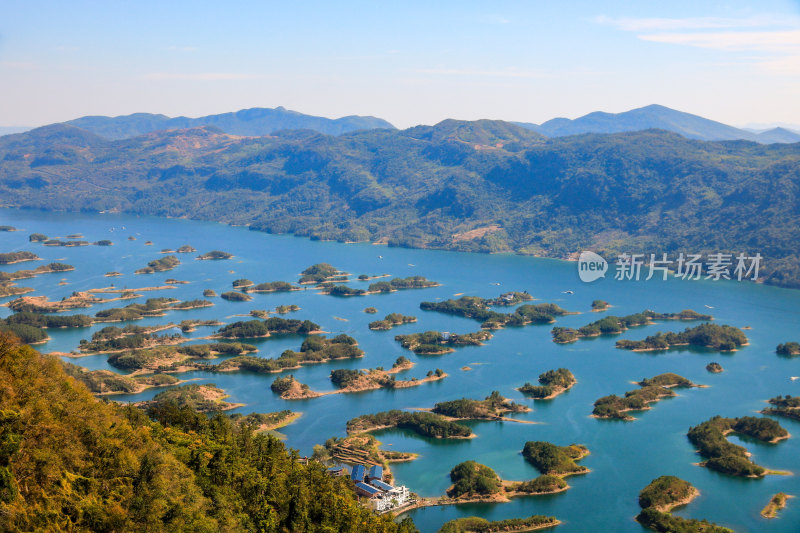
(551, 384)
(290, 389)
(77, 300)
(391, 320)
(235, 296)
(396, 284)
(475, 482)
(476, 524)
(11, 258)
(614, 325)
(720, 338)
(173, 359)
(8, 288)
(320, 273)
(153, 307)
(105, 382)
(361, 448)
(664, 494)
(314, 349)
(206, 398)
(50, 268)
(423, 423)
(598, 306)
(436, 342)
(785, 406)
(652, 390)
(30, 327)
(479, 309)
(214, 255)
(728, 458)
(370, 310)
(714, 367)
(273, 286)
(788, 349)
(493, 407)
(253, 329)
(776, 503)
(551, 459)
(163, 264)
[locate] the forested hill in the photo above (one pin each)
(256, 121)
(70, 462)
(478, 186)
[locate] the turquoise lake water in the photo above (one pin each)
(625, 456)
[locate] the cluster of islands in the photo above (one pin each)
(155, 356)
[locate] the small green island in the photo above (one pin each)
(475, 482)
(320, 273)
(598, 306)
(493, 407)
(479, 309)
(551, 384)
(8, 228)
(206, 398)
(105, 382)
(30, 327)
(785, 406)
(776, 503)
(551, 459)
(614, 325)
(370, 310)
(209, 293)
(650, 391)
(437, 342)
(788, 349)
(714, 367)
(720, 338)
(726, 457)
(391, 320)
(163, 264)
(214, 255)
(174, 359)
(253, 329)
(235, 296)
(396, 284)
(664, 494)
(476, 524)
(50, 268)
(422, 423)
(314, 349)
(271, 286)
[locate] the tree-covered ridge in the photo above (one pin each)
(423, 423)
(491, 408)
(479, 309)
(723, 338)
(183, 471)
(321, 272)
(395, 284)
(663, 494)
(611, 325)
(657, 191)
(552, 383)
(726, 457)
(551, 459)
(436, 342)
(652, 390)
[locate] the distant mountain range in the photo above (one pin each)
(255, 122)
(486, 185)
(658, 117)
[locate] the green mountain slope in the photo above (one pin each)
(254, 122)
(69, 462)
(649, 191)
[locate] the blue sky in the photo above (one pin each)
(408, 62)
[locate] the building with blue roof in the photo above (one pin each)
(359, 471)
(375, 472)
(367, 490)
(377, 483)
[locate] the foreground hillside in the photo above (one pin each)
(69, 462)
(474, 186)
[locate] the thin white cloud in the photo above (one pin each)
(506, 73)
(765, 41)
(199, 76)
(697, 23)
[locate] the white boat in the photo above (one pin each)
(709, 306)
(793, 378)
(567, 292)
